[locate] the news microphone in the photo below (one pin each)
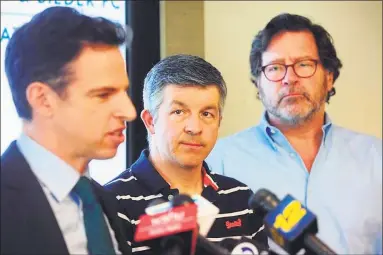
(288, 223)
(206, 211)
(175, 231)
(172, 232)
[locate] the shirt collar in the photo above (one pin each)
(54, 173)
(145, 172)
(268, 130)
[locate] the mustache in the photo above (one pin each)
(283, 94)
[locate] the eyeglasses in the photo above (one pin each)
(303, 69)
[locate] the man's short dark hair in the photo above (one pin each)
(182, 70)
(42, 49)
(291, 22)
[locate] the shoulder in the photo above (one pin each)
(232, 193)
(126, 181)
(355, 136)
(11, 156)
(129, 192)
(234, 144)
(358, 142)
(226, 182)
(15, 170)
(245, 136)
(361, 152)
(132, 195)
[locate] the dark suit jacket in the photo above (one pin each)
(28, 225)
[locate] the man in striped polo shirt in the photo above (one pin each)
(183, 101)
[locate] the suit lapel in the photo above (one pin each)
(28, 206)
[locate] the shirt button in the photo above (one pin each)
(271, 130)
(170, 197)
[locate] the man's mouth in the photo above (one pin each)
(191, 144)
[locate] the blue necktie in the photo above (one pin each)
(97, 232)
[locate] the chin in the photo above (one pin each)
(187, 159)
(188, 163)
(105, 154)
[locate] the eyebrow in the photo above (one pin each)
(178, 102)
(209, 107)
(106, 89)
(294, 59)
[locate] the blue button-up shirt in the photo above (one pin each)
(343, 188)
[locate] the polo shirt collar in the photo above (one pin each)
(145, 172)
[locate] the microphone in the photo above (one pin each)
(244, 245)
(288, 223)
(175, 231)
(171, 232)
(206, 211)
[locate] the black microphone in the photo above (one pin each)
(288, 223)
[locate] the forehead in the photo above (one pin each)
(192, 96)
(98, 66)
(289, 46)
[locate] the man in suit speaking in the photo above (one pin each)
(68, 82)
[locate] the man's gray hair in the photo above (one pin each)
(184, 71)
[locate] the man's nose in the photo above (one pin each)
(290, 77)
(126, 109)
(193, 125)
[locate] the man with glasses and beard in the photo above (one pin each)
(296, 148)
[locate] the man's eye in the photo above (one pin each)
(273, 68)
(103, 95)
(178, 112)
(207, 114)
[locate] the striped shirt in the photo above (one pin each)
(138, 186)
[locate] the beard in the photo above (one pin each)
(295, 110)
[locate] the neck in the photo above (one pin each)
(188, 180)
(52, 142)
(308, 132)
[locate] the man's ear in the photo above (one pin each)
(330, 81)
(256, 84)
(41, 98)
(254, 81)
(148, 120)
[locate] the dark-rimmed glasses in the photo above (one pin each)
(303, 69)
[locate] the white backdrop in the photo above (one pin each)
(14, 14)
